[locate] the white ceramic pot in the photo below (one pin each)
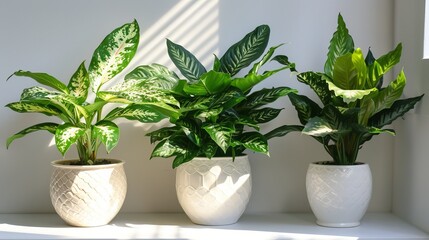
(214, 191)
(339, 195)
(88, 196)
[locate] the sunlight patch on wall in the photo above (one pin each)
(192, 24)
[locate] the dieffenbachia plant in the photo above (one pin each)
(219, 115)
(355, 104)
(83, 120)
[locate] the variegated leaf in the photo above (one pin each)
(66, 135)
(31, 107)
(45, 79)
(142, 113)
(221, 134)
(264, 115)
(154, 74)
(79, 84)
(255, 142)
(113, 54)
(349, 96)
(108, 133)
(50, 127)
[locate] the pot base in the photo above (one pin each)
(337, 225)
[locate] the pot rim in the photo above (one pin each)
(244, 156)
(320, 163)
(61, 164)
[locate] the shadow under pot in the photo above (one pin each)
(339, 195)
(214, 191)
(89, 195)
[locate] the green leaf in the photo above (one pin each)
(398, 109)
(283, 130)
(247, 50)
(249, 81)
(162, 134)
(345, 74)
(141, 113)
(349, 96)
(264, 60)
(215, 82)
(185, 61)
(340, 44)
(384, 63)
(192, 130)
(113, 54)
(264, 96)
(283, 59)
(305, 107)
(387, 96)
(31, 107)
(226, 99)
(318, 127)
(79, 84)
(264, 115)
(216, 64)
(107, 132)
(255, 142)
(188, 156)
(361, 69)
(45, 79)
(318, 84)
(50, 127)
(171, 147)
(209, 149)
(156, 75)
(66, 135)
(221, 134)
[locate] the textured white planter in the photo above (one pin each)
(214, 191)
(87, 196)
(339, 195)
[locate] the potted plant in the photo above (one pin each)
(89, 191)
(355, 107)
(219, 120)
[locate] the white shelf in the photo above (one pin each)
(177, 226)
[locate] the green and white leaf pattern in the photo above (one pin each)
(66, 135)
(31, 107)
(48, 126)
(154, 74)
(141, 113)
(318, 127)
(79, 84)
(349, 96)
(254, 141)
(107, 132)
(264, 115)
(221, 134)
(113, 54)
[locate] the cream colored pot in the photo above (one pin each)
(87, 196)
(214, 191)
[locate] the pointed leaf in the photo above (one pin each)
(384, 63)
(156, 75)
(361, 69)
(264, 115)
(255, 142)
(66, 135)
(172, 146)
(264, 96)
(283, 59)
(107, 132)
(188, 156)
(185, 61)
(162, 133)
(345, 74)
(215, 82)
(317, 83)
(305, 107)
(113, 54)
(31, 107)
(192, 130)
(283, 130)
(264, 60)
(221, 134)
(141, 113)
(249, 81)
(398, 109)
(50, 127)
(247, 50)
(318, 127)
(79, 84)
(340, 44)
(45, 79)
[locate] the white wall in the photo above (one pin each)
(411, 195)
(55, 36)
